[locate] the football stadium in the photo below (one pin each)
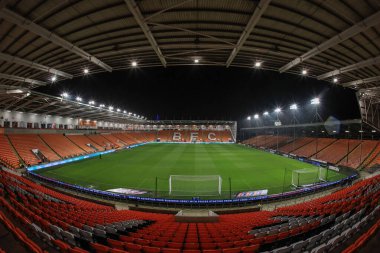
(194, 126)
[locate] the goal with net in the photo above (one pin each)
(309, 176)
(195, 185)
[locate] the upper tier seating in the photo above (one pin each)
(127, 139)
(336, 151)
(359, 154)
(68, 222)
(314, 147)
(63, 146)
(24, 143)
(7, 154)
(296, 144)
(116, 142)
(374, 158)
(82, 141)
(101, 141)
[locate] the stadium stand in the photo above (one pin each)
(7, 154)
(296, 144)
(337, 150)
(101, 141)
(61, 145)
(374, 157)
(125, 138)
(69, 223)
(314, 147)
(83, 142)
(116, 142)
(359, 154)
(25, 143)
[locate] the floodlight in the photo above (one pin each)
(266, 113)
(134, 64)
(53, 78)
(346, 131)
(124, 111)
(335, 80)
(256, 116)
(196, 60)
(85, 71)
(304, 72)
(110, 108)
(315, 101)
(65, 95)
(373, 131)
(293, 107)
(258, 64)
(249, 118)
(101, 105)
(28, 94)
(277, 110)
(118, 110)
(92, 102)
(129, 113)
(78, 99)
(361, 131)
(134, 114)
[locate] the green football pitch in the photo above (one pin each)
(140, 168)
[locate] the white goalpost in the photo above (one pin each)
(195, 185)
(308, 176)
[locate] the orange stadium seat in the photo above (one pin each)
(83, 141)
(62, 145)
(7, 155)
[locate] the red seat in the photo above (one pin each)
(126, 238)
(142, 242)
(118, 251)
(147, 249)
(231, 250)
(212, 251)
(241, 243)
(63, 247)
(133, 248)
(224, 245)
(191, 251)
(191, 246)
(115, 244)
(159, 244)
(209, 245)
(99, 248)
(167, 250)
(77, 250)
(174, 245)
(250, 249)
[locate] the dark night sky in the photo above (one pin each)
(206, 93)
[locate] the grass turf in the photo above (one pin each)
(137, 168)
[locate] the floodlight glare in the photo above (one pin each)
(101, 105)
(124, 111)
(78, 99)
(92, 102)
(53, 78)
(304, 72)
(315, 101)
(335, 80)
(346, 131)
(134, 64)
(249, 118)
(277, 110)
(196, 60)
(65, 95)
(293, 107)
(110, 108)
(85, 71)
(373, 131)
(266, 113)
(118, 110)
(256, 116)
(257, 64)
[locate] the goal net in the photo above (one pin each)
(309, 176)
(195, 185)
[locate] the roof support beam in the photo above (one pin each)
(21, 79)
(42, 107)
(345, 35)
(26, 103)
(361, 81)
(134, 9)
(34, 65)
(352, 67)
(166, 9)
(29, 25)
(58, 109)
(259, 10)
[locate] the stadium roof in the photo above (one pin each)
(39, 39)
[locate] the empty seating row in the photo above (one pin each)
(7, 154)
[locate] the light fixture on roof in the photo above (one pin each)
(249, 118)
(335, 80)
(373, 131)
(315, 101)
(92, 102)
(258, 64)
(266, 113)
(134, 114)
(256, 116)
(28, 94)
(102, 105)
(361, 131)
(110, 108)
(277, 110)
(134, 64)
(124, 111)
(304, 72)
(85, 71)
(196, 60)
(118, 110)
(293, 107)
(65, 95)
(129, 113)
(78, 99)
(54, 78)
(346, 131)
